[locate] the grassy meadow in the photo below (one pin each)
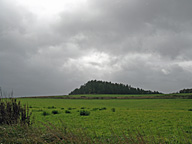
(167, 119)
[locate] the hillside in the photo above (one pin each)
(103, 87)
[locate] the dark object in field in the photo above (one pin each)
(84, 113)
(67, 111)
(104, 108)
(189, 109)
(55, 112)
(113, 109)
(45, 113)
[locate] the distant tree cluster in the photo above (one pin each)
(103, 87)
(186, 91)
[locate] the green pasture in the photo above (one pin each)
(167, 118)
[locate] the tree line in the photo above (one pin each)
(185, 91)
(104, 87)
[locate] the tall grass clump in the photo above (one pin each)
(104, 108)
(12, 112)
(67, 111)
(45, 113)
(55, 112)
(113, 109)
(84, 113)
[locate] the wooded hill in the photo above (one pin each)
(185, 91)
(103, 87)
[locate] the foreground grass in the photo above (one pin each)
(52, 134)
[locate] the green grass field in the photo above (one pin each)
(170, 119)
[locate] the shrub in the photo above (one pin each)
(67, 111)
(82, 107)
(84, 113)
(55, 112)
(113, 109)
(189, 109)
(104, 108)
(12, 112)
(45, 113)
(62, 108)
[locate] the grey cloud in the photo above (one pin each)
(120, 24)
(142, 43)
(165, 77)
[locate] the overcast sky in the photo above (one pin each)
(51, 47)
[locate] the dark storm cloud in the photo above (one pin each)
(127, 25)
(146, 43)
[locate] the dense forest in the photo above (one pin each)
(185, 91)
(103, 87)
